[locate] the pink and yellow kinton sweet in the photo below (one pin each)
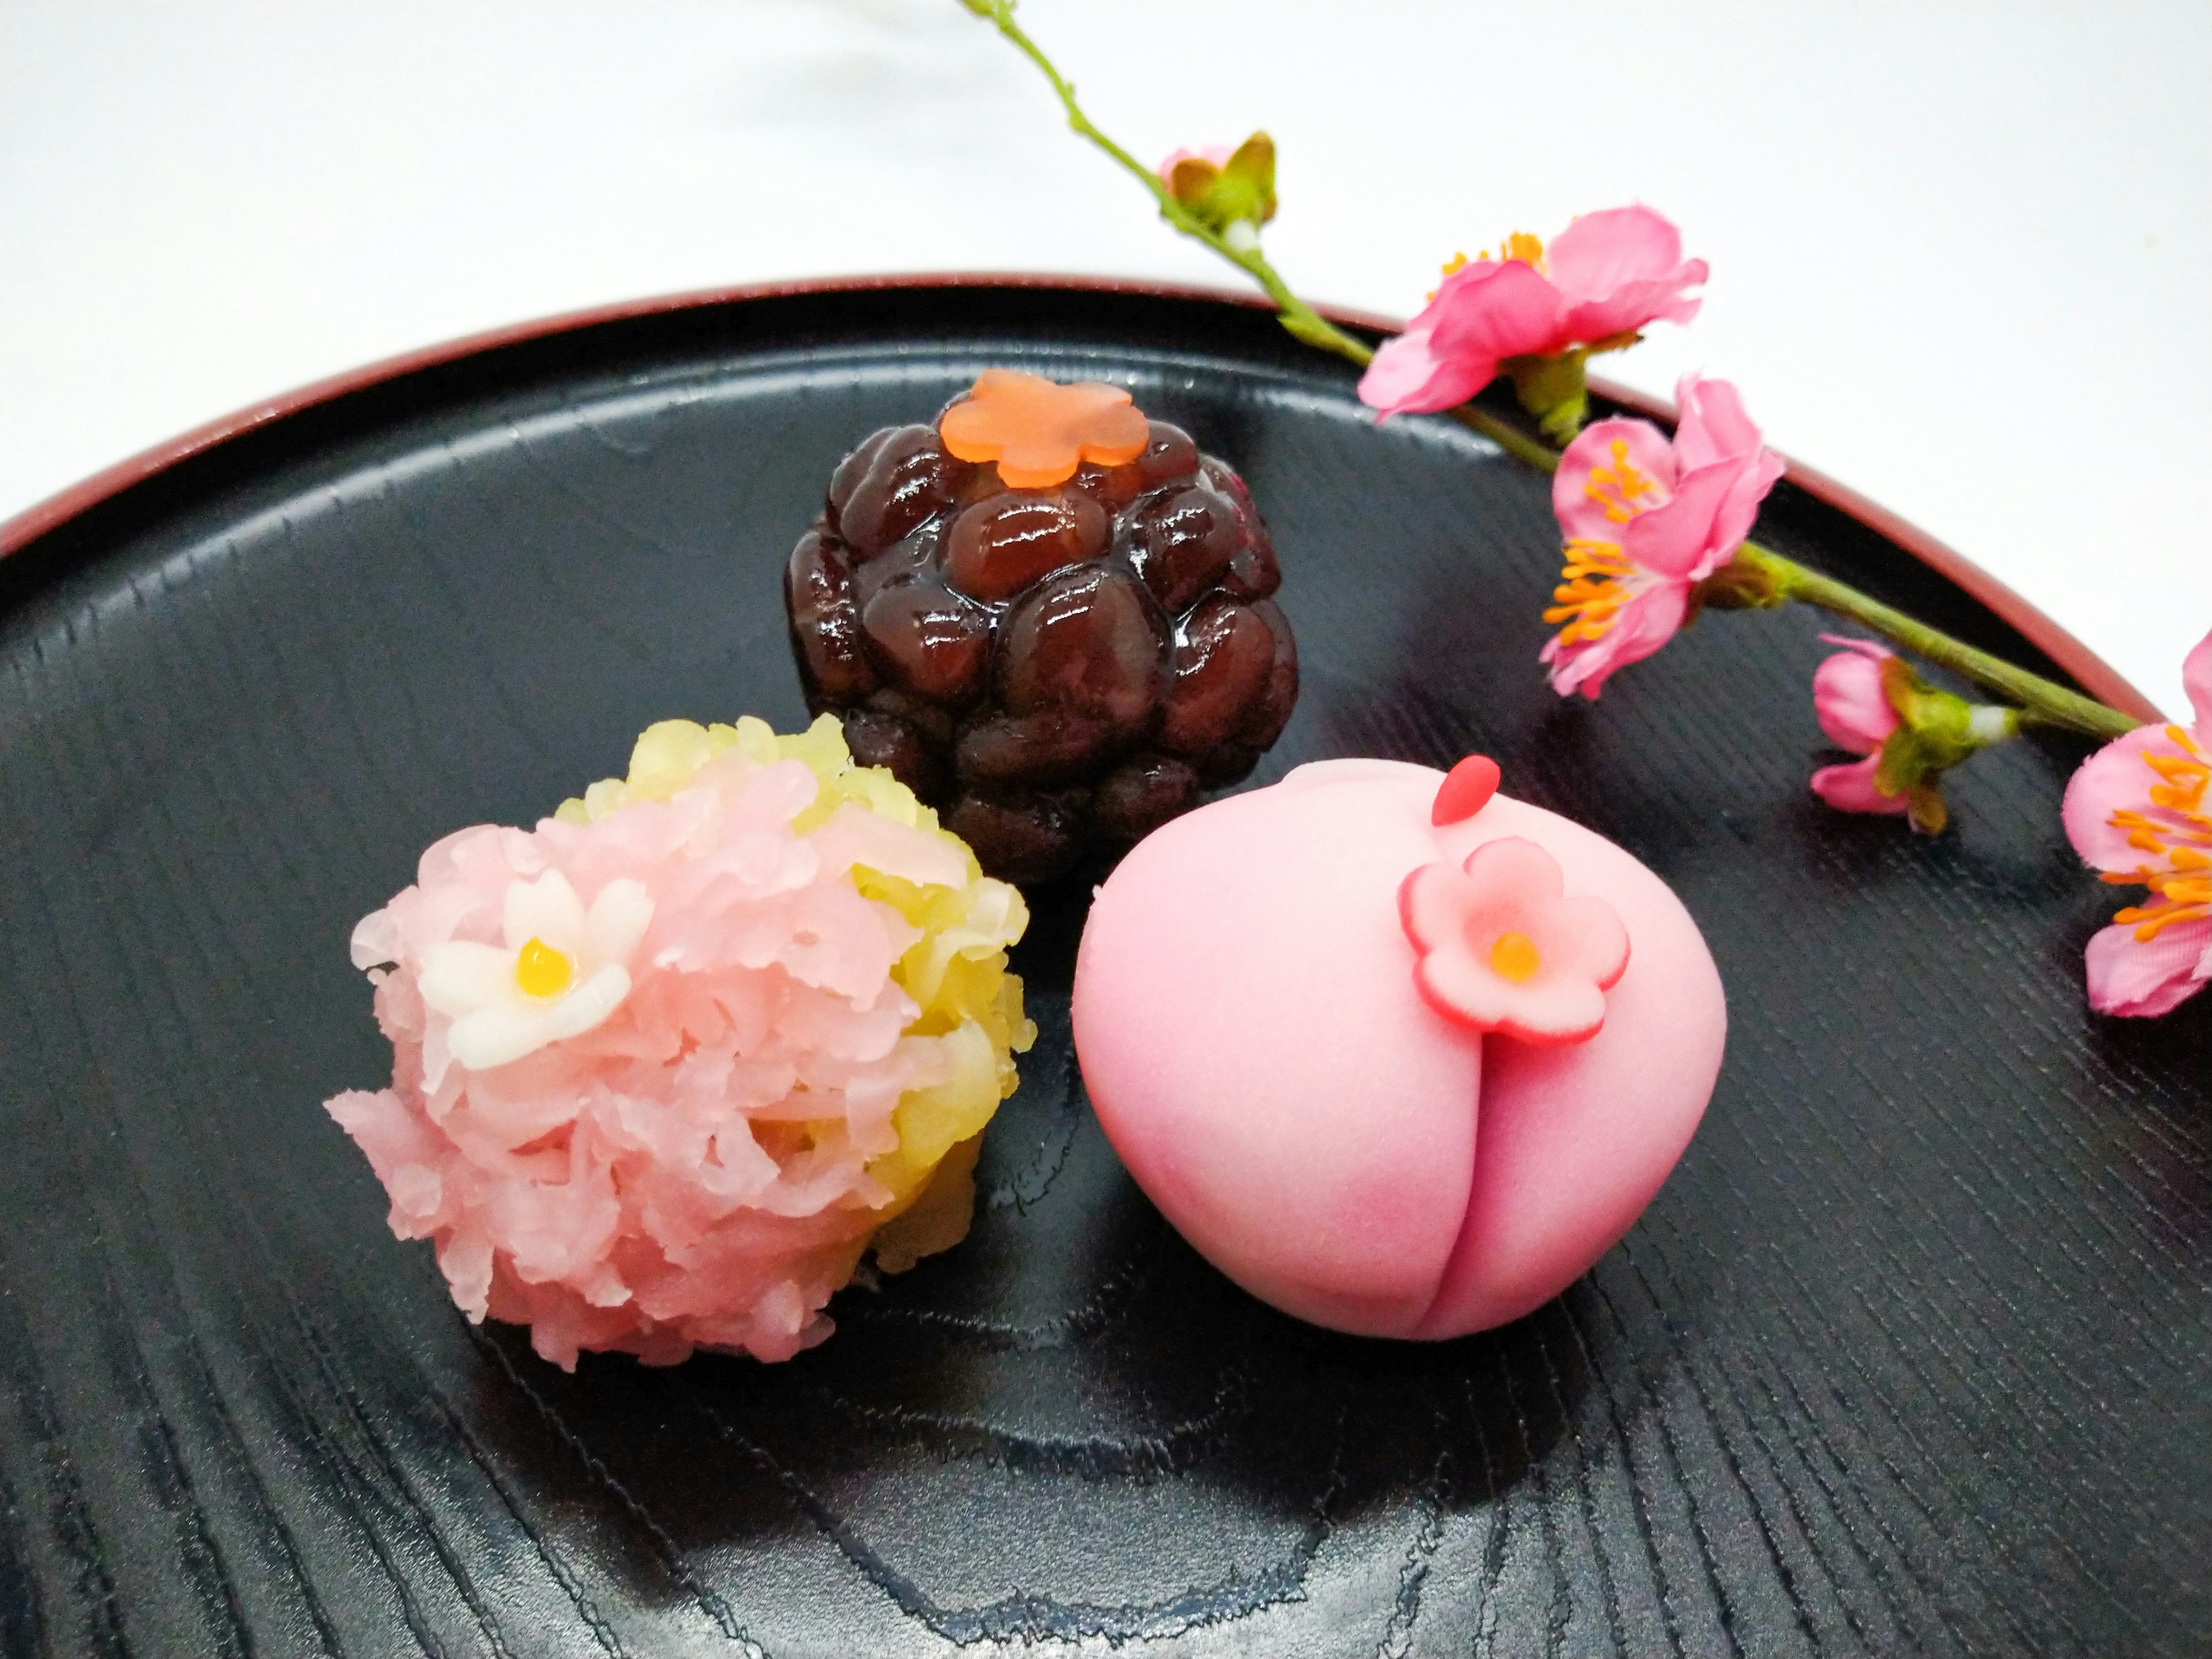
(1400, 1055)
(665, 1067)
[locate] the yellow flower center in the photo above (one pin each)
(1529, 250)
(1515, 957)
(1595, 585)
(2183, 890)
(541, 970)
(1617, 488)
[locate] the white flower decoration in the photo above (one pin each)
(564, 970)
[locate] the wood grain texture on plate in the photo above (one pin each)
(1908, 1356)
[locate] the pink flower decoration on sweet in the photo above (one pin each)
(1855, 712)
(2135, 811)
(1503, 950)
(1608, 274)
(1644, 520)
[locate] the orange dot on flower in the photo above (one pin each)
(1515, 957)
(543, 971)
(1039, 431)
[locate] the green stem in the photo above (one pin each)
(2042, 701)
(1299, 318)
(1534, 452)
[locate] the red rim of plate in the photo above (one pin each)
(2090, 671)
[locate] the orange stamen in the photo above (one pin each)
(2182, 834)
(1615, 488)
(1595, 589)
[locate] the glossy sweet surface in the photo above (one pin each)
(1057, 667)
(1256, 1049)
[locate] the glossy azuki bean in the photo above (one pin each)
(999, 546)
(825, 620)
(1222, 655)
(1084, 642)
(929, 640)
(888, 485)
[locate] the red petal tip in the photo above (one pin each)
(1465, 790)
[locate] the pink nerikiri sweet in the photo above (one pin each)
(1258, 1051)
(1608, 274)
(1855, 712)
(1644, 520)
(2135, 811)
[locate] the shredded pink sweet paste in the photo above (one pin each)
(661, 1072)
(1503, 950)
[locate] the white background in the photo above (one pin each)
(1960, 251)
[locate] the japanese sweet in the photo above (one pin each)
(1401, 1055)
(1047, 615)
(665, 1067)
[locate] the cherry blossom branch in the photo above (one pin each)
(1758, 578)
(2042, 702)
(1296, 315)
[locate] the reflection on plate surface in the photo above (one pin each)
(1908, 1354)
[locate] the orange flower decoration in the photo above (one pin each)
(1038, 431)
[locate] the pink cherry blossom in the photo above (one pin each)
(2135, 811)
(1503, 950)
(1608, 274)
(1855, 712)
(1645, 520)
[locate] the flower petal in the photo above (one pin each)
(1549, 1011)
(2116, 778)
(589, 1005)
(460, 976)
(1711, 425)
(1682, 540)
(1514, 868)
(496, 1033)
(1452, 349)
(1407, 376)
(1486, 312)
(1639, 629)
(2196, 681)
(1617, 269)
(546, 909)
(1847, 697)
(2145, 978)
(1585, 938)
(501, 1032)
(1852, 788)
(617, 920)
(1433, 906)
(1755, 482)
(1580, 504)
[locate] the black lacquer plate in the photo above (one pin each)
(1910, 1356)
